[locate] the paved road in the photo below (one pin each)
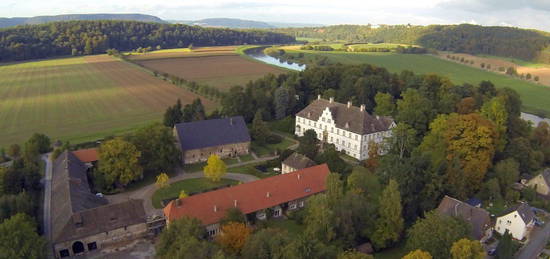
(536, 243)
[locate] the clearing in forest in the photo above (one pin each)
(81, 98)
(219, 67)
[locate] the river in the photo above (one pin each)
(258, 54)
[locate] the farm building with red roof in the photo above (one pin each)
(277, 193)
(89, 155)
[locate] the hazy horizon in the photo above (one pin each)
(531, 14)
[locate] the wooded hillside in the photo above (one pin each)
(92, 37)
(464, 38)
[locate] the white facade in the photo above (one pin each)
(514, 224)
(353, 144)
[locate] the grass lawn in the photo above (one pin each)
(392, 253)
(246, 158)
(497, 208)
(190, 186)
(250, 169)
(293, 228)
(270, 149)
(535, 97)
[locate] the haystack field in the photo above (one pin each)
(81, 98)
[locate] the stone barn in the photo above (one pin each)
(197, 140)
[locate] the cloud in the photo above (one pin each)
(495, 5)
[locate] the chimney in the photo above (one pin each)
(349, 104)
(235, 203)
(298, 176)
(362, 107)
(331, 100)
(230, 121)
(318, 97)
(268, 195)
(215, 208)
(377, 117)
(178, 203)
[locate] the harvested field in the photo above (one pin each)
(220, 71)
(80, 99)
(184, 52)
(522, 67)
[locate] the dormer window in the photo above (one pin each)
(347, 125)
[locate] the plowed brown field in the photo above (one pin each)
(220, 71)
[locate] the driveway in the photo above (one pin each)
(147, 192)
(47, 181)
(537, 242)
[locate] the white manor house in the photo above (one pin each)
(348, 127)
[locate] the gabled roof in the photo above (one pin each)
(211, 133)
(70, 192)
(77, 212)
(524, 211)
(351, 119)
(87, 155)
(102, 219)
(298, 161)
(478, 218)
(210, 207)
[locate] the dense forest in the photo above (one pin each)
(8, 22)
(464, 38)
(91, 37)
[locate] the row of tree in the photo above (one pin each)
(92, 37)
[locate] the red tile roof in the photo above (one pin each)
(253, 196)
(87, 155)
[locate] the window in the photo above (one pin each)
(92, 246)
(355, 137)
(331, 139)
(301, 204)
(277, 213)
(323, 119)
(292, 206)
(64, 253)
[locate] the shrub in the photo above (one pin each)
(274, 139)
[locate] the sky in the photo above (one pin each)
(519, 13)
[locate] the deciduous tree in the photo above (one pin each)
(415, 110)
(495, 111)
(373, 161)
(156, 145)
(182, 195)
(162, 180)
(184, 238)
(436, 233)
(418, 254)
(308, 144)
(385, 105)
(233, 237)
(266, 243)
(119, 162)
(390, 223)
(353, 254)
(215, 168)
(19, 240)
(467, 249)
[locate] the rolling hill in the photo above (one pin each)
(8, 22)
(243, 24)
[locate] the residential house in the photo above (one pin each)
(296, 162)
(518, 220)
(276, 194)
(351, 129)
(227, 137)
(541, 183)
(478, 218)
(81, 221)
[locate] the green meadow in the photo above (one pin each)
(536, 98)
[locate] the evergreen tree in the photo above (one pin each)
(281, 102)
(260, 131)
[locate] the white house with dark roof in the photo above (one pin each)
(348, 127)
(478, 219)
(296, 162)
(197, 140)
(517, 220)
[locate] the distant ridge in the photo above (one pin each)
(234, 23)
(8, 22)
